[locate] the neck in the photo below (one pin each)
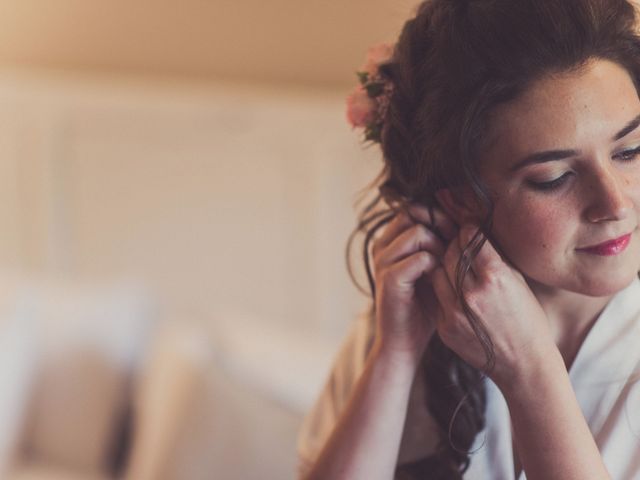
(571, 316)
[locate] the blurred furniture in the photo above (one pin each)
(94, 389)
(226, 403)
(265, 378)
(69, 377)
(174, 183)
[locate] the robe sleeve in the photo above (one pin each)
(347, 367)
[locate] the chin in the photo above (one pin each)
(606, 284)
(592, 282)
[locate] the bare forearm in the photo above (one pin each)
(366, 439)
(552, 437)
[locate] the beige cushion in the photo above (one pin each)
(17, 365)
(89, 340)
(173, 381)
(48, 472)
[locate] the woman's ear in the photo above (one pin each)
(459, 205)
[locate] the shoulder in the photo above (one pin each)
(346, 368)
(419, 438)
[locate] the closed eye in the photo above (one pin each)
(551, 184)
(628, 155)
(624, 156)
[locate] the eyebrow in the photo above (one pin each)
(552, 155)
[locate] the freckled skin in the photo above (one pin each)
(540, 231)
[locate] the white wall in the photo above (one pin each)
(220, 198)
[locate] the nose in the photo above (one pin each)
(609, 199)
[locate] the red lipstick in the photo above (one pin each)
(612, 247)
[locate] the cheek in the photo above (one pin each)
(632, 186)
(530, 229)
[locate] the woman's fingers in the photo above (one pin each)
(487, 261)
(436, 219)
(439, 222)
(395, 227)
(451, 259)
(405, 256)
(408, 242)
(446, 295)
(443, 288)
(407, 271)
(467, 232)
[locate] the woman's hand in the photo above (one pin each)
(365, 441)
(500, 297)
(404, 257)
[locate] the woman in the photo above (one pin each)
(502, 336)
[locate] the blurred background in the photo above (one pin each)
(177, 186)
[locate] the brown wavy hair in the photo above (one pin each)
(453, 63)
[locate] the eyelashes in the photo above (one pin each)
(548, 186)
(551, 184)
(628, 155)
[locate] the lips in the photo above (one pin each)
(611, 247)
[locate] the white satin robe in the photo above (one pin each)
(605, 376)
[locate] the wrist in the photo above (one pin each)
(536, 370)
(399, 357)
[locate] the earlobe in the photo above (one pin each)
(456, 206)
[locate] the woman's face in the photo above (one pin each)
(563, 166)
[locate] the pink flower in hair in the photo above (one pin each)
(368, 103)
(360, 107)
